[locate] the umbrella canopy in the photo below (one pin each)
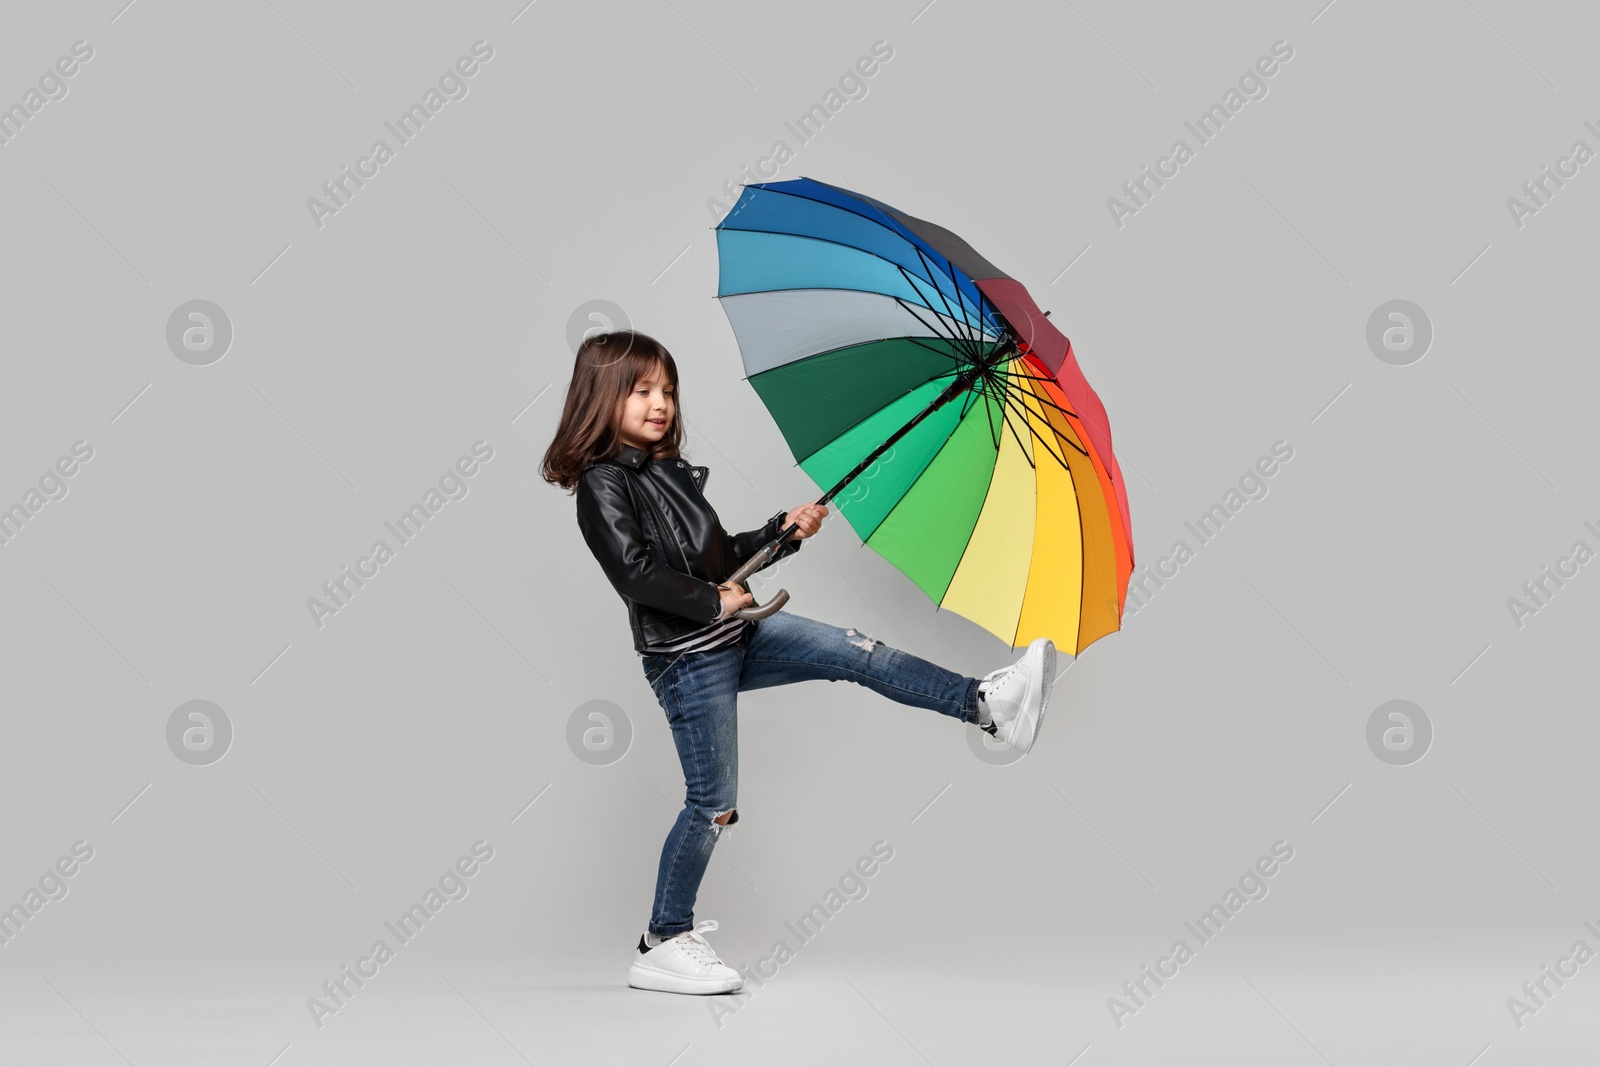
(1000, 496)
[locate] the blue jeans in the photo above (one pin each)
(699, 690)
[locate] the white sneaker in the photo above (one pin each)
(684, 964)
(1016, 695)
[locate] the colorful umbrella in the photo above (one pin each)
(900, 363)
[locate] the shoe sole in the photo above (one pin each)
(1049, 681)
(666, 982)
(1042, 653)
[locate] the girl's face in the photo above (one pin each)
(648, 411)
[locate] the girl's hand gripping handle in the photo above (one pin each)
(755, 563)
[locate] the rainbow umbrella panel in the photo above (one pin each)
(946, 410)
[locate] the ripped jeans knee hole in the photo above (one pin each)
(860, 640)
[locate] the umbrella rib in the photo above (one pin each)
(838, 244)
(962, 357)
(1051, 403)
(950, 271)
(1008, 405)
(949, 312)
(1045, 399)
(800, 460)
(986, 309)
(1018, 439)
(1058, 437)
(966, 355)
(1030, 377)
(887, 223)
(1053, 454)
(974, 330)
(937, 332)
(1004, 416)
(914, 483)
(984, 300)
(938, 351)
(970, 332)
(1031, 394)
(968, 401)
(994, 431)
(929, 270)
(892, 225)
(1002, 344)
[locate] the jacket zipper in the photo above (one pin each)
(670, 529)
(701, 489)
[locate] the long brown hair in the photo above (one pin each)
(603, 374)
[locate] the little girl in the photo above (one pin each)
(643, 513)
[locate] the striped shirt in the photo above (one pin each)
(721, 631)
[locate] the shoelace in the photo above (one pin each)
(999, 678)
(997, 715)
(697, 948)
(1004, 674)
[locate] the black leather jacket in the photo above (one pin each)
(664, 552)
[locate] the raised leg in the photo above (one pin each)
(792, 648)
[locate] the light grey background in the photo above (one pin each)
(431, 312)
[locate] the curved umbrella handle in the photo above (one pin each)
(761, 611)
(755, 563)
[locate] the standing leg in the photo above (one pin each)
(699, 692)
(792, 648)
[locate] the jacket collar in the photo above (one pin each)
(631, 457)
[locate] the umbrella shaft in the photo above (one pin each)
(953, 390)
(959, 385)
